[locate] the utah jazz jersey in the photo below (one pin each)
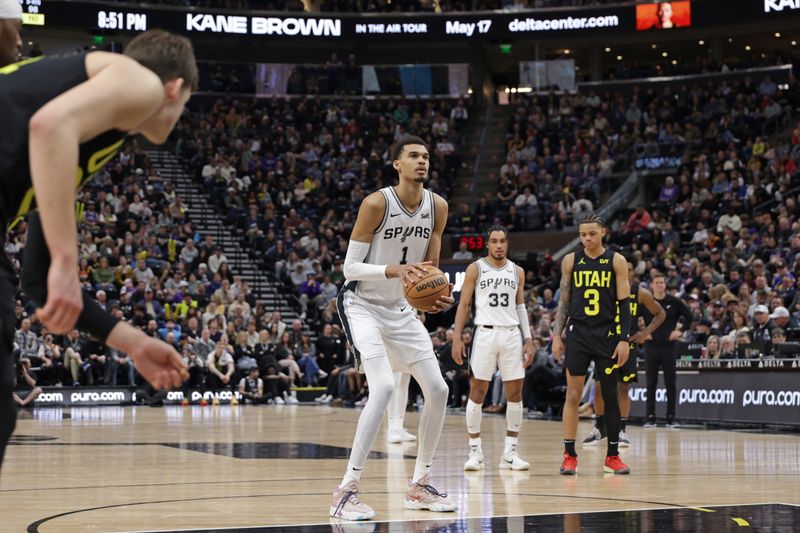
(634, 308)
(25, 87)
(402, 238)
(593, 300)
(496, 294)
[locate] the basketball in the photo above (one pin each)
(426, 291)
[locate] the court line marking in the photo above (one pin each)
(741, 521)
(455, 519)
(34, 526)
(789, 504)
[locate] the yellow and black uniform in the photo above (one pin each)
(628, 372)
(593, 331)
(25, 88)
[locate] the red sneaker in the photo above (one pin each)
(614, 465)
(570, 465)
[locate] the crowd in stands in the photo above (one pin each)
(290, 175)
(561, 149)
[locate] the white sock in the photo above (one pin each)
(475, 444)
(353, 474)
(513, 416)
(420, 471)
(395, 425)
(474, 415)
(511, 445)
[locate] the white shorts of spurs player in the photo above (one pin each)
(498, 347)
(378, 330)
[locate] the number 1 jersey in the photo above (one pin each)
(496, 294)
(402, 238)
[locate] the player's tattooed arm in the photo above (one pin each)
(562, 311)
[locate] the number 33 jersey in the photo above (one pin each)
(593, 299)
(496, 294)
(402, 238)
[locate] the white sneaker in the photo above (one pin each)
(475, 461)
(406, 436)
(322, 374)
(291, 399)
(623, 440)
(512, 461)
(326, 399)
(279, 401)
(320, 399)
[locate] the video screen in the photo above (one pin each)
(663, 16)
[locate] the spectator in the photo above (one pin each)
(251, 387)
(462, 254)
(220, 367)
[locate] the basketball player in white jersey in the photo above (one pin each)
(501, 325)
(397, 235)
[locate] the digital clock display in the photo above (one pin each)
(473, 242)
(123, 21)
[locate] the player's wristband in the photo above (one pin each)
(624, 318)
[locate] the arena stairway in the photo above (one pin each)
(208, 222)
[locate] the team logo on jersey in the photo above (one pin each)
(404, 233)
(581, 262)
(425, 215)
(604, 261)
(497, 282)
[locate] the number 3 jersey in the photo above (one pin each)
(401, 238)
(496, 294)
(593, 299)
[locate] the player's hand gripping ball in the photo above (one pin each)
(426, 291)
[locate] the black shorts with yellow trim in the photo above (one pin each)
(585, 344)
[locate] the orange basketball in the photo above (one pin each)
(427, 290)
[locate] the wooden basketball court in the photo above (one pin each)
(269, 468)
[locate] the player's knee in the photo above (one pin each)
(437, 390)
(574, 395)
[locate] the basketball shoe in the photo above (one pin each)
(623, 440)
(475, 461)
(614, 465)
(569, 467)
(401, 435)
(422, 496)
(594, 437)
(346, 505)
(512, 461)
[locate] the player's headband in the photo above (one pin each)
(10, 9)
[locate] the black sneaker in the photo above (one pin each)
(672, 424)
(650, 423)
(594, 437)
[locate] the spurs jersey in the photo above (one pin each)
(402, 237)
(24, 88)
(496, 294)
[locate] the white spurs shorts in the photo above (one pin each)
(498, 347)
(376, 330)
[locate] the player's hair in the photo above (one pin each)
(496, 227)
(592, 218)
(169, 56)
(397, 148)
(659, 275)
